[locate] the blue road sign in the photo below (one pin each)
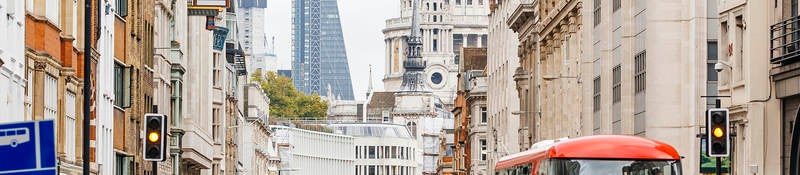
(28, 148)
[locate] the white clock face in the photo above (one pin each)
(437, 77)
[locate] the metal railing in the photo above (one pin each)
(785, 41)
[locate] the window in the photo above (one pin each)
(401, 153)
(216, 130)
(469, 2)
(712, 77)
(122, 8)
(394, 152)
(458, 39)
(640, 76)
(216, 79)
(70, 126)
(74, 21)
(121, 164)
(472, 40)
(52, 11)
(51, 98)
(122, 86)
(738, 52)
(434, 9)
(484, 118)
(617, 5)
(483, 149)
(484, 40)
(435, 45)
(597, 11)
(358, 155)
(448, 150)
(371, 152)
(458, 2)
(386, 152)
(596, 102)
(480, 2)
(617, 79)
(712, 59)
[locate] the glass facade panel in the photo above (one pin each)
(325, 47)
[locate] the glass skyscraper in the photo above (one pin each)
(319, 60)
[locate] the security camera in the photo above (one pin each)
(718, 67)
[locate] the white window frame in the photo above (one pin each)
(53, 11)
(70, 125)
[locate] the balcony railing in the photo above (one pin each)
(785, 43)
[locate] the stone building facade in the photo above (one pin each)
(446, 27)
(585, 69)
(470, 112)
(53, 68)
(502, 101)
(12, 61)
(785, 81)
(764, 92)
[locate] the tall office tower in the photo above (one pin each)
(254, 42)
(318, 54)
(251, 26)
(446, 26)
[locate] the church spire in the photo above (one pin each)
(413, 77)
(369, 86)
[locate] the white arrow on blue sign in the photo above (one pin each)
(28, 148)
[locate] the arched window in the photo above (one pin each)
(434, 6)
(428, 5)
(434, 16)
(413, 127)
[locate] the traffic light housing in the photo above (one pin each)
(154, 146)
(718, 134)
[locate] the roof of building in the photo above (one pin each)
(381, 100)
(371, 130)
(473, 58)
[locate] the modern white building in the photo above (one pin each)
(305, 152)
(446, 26)
(104, 92)
(251, 16)
(12, 61)
(381, 148)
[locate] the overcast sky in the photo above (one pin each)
(361, 23)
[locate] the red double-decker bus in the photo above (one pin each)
(594, 155)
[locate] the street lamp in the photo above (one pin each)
(719, 67)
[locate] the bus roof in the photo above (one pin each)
(596, 147)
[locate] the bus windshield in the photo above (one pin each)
(614, 167)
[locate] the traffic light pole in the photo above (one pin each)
(155, 167)
(719, 165)
(87, 81)
(719, 159)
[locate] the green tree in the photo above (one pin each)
(286, 101)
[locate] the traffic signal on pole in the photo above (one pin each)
(154, 148)
(718, 125)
